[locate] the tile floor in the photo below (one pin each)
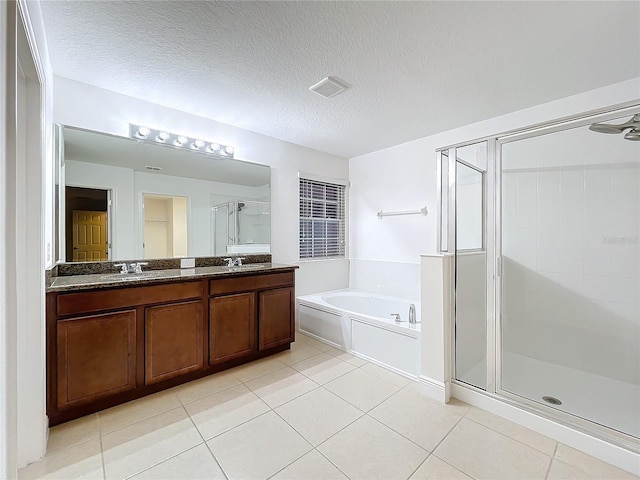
(313, 412)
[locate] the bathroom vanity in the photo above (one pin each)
(111, 339)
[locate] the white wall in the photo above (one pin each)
(84, 106)
(8, 357)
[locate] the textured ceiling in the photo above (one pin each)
(415, 68)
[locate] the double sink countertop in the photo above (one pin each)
(108, 280)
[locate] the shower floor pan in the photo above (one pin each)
(602, 400)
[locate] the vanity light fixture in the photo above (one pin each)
(163, 137)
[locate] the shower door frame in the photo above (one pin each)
(493, 247)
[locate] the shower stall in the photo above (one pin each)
(241, 226)
(544, 224)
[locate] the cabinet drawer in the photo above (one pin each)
(110, 298)
(253, 282)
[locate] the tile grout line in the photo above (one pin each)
(452, 466)
(514, 439)
(104, 468)
(294, 429)
(223, 389)
(322, 384)
(331, 462)
(166, 459)
(143, 419)
(215, 459)
(555, 449)
(448, 433)
(398, 433)
(271, 410)
(421, 463)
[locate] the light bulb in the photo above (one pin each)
(162, 137)
(633, 135)
(214, 147)
(142, 132)
(180, 141)
(197, 144)
(229, 149)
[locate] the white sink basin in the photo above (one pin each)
(124, 277)
(251, 266)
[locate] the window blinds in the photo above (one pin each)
(322, 219)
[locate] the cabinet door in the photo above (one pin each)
(276, 317)
(173, 340)
(232, 327)
(96, 357)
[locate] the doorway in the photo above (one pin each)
(87, 219)
(165, 226)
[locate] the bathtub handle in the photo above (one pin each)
(396, 317)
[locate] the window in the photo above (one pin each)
(322, 219)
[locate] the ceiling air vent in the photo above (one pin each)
(328, 87)
(153, 167)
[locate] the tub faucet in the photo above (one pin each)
(396, 317)
(412, 313)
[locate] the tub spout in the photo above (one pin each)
(412, 313)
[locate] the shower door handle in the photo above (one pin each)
(499, 267)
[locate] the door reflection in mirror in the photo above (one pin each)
(87, 224)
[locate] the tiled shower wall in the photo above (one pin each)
(571, 214)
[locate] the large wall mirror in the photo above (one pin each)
(120, 199)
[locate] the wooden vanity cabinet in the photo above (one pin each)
(245, 308)
(106, 346)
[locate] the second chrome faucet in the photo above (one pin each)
(412, 315)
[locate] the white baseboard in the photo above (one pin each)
(595, 447)
(435, 388)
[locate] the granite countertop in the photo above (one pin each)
(102, 280)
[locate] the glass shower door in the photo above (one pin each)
(469, 166)
(570, 255)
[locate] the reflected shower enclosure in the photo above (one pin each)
(241, 226)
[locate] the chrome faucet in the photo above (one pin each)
(133, 267)
(412, 313)
(234, 261)
(396, 317)
(137, 267)
(122, 266)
